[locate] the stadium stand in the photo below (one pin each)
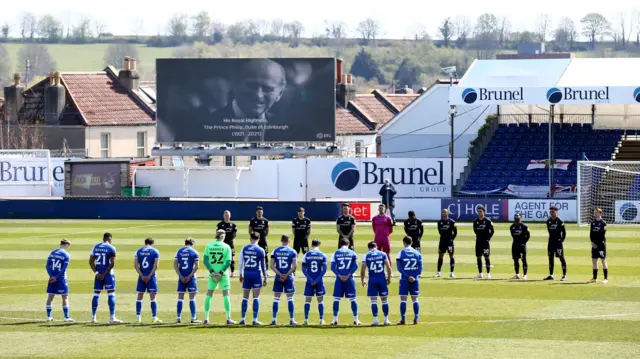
(505, 160)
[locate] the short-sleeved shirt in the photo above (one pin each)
(230, 230)
(447, 229)
(413, 227)
(253, 257)
(260, 226)
(147, 256)
(218, 254)
(57, 263)
(375, 261)
(519, 233)
(345, 224)
(284, 257)
(187, 257)
(103, 252)
(598, 231)
(346, 261)
(555, 227)
(483, 228)
(314, 260)
(301, 227)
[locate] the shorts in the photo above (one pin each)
(252, 280)
(600, 252)
(519, 251)
(555, 249)
(350, 243)
(405, 288)
(344, 289)
(189, 287)
(284, 287)
(108, 283)
(233, 247)
(224, 283)
(262, 243)
(377, 288)
(415, 244)
(445, 246)
(301, 244)
(150, 287)
(60, 287)
(483, 248)
(317, 290)
(384, 245)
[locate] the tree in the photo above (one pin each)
(594, 25)
(369, 29)
(366, 67)
(137, 26)
(486, 33)
(408, 73)
(625, 23)
(543, 27)
(294, 31)
(277, 29)
(6, 29)
(504, 30)
(419, 32)
(527, 37)
(217, 31)
(462, 26)
(177, 28)
(115, 53)
(100, 28)
(446, 31)
(28, 26)
(82, 31)
(336, 34)
(565, 34)
(50, 29)
(40, 62)
(201, 25)
(5, 66)
(237, 32)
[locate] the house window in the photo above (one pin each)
(228, 160)
(358, 148)
(105, 145)
(254, 145)
(142, 144)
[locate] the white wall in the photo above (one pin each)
(124, 140)
(348, 145)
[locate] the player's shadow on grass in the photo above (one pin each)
(524, 281)
(265, 327)
(60, 325)
(21, 323)
(570, 283)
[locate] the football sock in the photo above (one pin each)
(94, 303)
(49, 310)
(244, 307)
(65, 310)
(354, 308)
(551, 265)
(595, 273)
(403, 309)
(207, 307)
(563, 262)
(321, 310)
(111, 300)
(154, 308)
(416, 310)
(452, 264)
(307, 309)
(606, 273)
(291, 307)
(275, 307)
(385, 309)
(192, 307)
(374, 309)
(138, 307)
(336, 308)
(179, 308)
(524, 266)
(439, 263)
(227, 306)
(479, 263)
(488, 264)
(256, 308)
(516, 266)
(233, 266)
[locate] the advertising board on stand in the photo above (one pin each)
(537, 210)
(627, 211)
(28, 177)
(466, 209)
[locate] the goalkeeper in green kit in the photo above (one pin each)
(217, 259)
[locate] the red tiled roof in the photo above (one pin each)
(401, 100)
(103, 101)
(375, 110)
(347, 123)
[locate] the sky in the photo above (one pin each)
(397, 21)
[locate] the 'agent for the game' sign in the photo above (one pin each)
(533, 210)
(466, 209)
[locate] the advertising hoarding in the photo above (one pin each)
(537, 210)
(619, 95)
(246, 100)
(465, 209)
(95, 179)
(28, 177)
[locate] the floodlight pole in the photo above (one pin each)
(452, 114)
(551, 150)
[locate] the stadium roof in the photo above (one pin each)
(550, 81)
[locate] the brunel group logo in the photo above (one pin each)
(628, 211)
(636, 94)
(554, 95)
(469, 96)
(345, 176)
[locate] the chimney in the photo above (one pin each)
(405, 90)
(55, 100)
(338, 71)
(129, 76)
(13, 99)
(345, 90)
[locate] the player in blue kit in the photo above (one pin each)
(283, 263)
(186, 265)
(409, 262)
(253, 276)
(57, 264)
(314, 266)
(146, 263)
(344, 264)
(102, 261)
(377, 262)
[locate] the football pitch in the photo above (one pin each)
(460, 318)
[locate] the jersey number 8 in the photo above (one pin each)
(313, 266)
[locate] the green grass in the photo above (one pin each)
(462, 318)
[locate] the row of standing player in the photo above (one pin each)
(217, 259)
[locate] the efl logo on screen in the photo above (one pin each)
(361, 211)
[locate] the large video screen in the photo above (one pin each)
(246, 100)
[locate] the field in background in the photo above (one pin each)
(460, 318)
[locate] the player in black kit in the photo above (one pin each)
(346, 225)
(448, 231)
(301, 227)
(520, 234)
(555, 247)
(483, 228)
(260, 225)
(230, 230)
(599, 245)
(414, 229)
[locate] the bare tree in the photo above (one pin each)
(178, 26)
(336, 30)
(624, 30)
(263, 27)
(594, 25)
(6, 29)
(543, 27)
(277, 29)
(82, 31)
(5, 68)
(418, 32)
(446, 31)
(218, 30)
(504, 31)
(28, 26)
(40, 62)
(566, 34)
(115, 53)
(369, 29)
(137, 27)
(237, 32)
(294, 32)
(50, 29)
(463, 30)
(201, 27)
(100, 28)
(486, 31)
(637, 17)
